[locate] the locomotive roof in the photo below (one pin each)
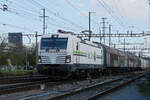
(109, 49)
(50, 35)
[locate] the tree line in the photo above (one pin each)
(18, 55)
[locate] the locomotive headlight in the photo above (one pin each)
(39, 59)
(68, 59)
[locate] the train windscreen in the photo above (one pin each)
(54, 43)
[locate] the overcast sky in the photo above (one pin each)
(72, 15)
(120, 13)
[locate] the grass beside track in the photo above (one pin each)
(144, 88)
(15, 72)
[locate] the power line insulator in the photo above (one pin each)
(5, 7)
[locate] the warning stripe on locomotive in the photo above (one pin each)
(81, 53)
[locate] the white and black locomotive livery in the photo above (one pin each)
(67, 54)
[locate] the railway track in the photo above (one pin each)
(63, 94)
(11, 88)
(112, 87)
(64, 90)
(23, 86)
(23, 83)
(94, 91)
(19, 79)
(14, 77)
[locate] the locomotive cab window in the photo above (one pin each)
(54, 43)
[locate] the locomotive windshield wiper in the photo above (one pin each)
(47, 49)
(57, 49)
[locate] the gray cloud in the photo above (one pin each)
(132, 9)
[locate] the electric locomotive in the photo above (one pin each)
(66, 54)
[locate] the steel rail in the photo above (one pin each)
(11, 88)
(22, 86)
(21, 79)
(88, 88)
(111, 89)
(76, 91)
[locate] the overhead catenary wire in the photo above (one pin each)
(121, 19)
(59, 21)
(18, 27)
(75, 8)
(110, 13)
(15, 10)
(23, 12)
(29, 15)
(120, 12)
(55, 23)
(50, 23)
(113, 13)
(79, 11)
(25, 8)
(26, 13)
(57, 15)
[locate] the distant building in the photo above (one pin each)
(15, 39)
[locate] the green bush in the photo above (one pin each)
(16, 72)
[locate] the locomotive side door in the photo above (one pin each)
(78, 55)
